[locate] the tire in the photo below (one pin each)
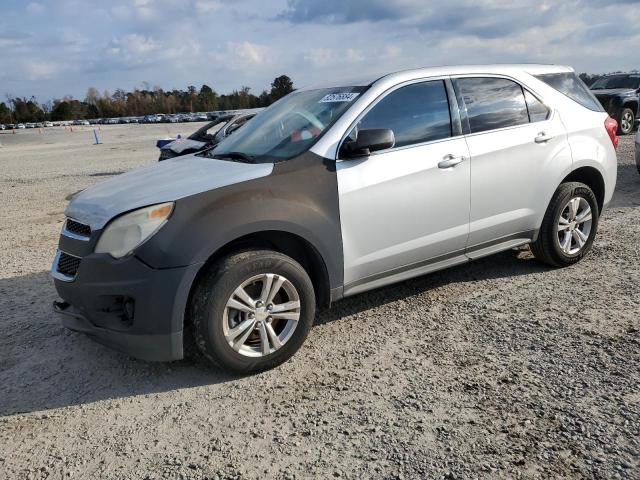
(548, 248)
(166, 154)
(626, 121)
(215, 323)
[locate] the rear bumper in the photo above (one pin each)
(127, 305)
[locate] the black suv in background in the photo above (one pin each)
(619, 94)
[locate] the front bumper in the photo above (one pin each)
(638, 150)
(151, 347)
(127, 305)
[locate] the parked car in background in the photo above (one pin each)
(2, 127)
(331, 192)
(638, 150)
(152, 119)
(206, 137)
(20, 126)
(619, 94)
(48, 124)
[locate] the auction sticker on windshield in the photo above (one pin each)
(339, 97)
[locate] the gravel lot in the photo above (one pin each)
(501, 368)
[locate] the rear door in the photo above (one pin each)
(403, 209)
(517, 146)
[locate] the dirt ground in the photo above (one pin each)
(502, 368)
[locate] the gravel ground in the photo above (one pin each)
(502, 368)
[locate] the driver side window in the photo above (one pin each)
(417, 113)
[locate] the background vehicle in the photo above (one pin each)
(209, 135)
(638, 150)
(619, 94)
(331, 192)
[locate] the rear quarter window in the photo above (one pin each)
(569, 84)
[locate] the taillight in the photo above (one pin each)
(611, 126)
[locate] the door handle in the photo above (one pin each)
(450, 161)
(543, 138)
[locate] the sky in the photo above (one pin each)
(53, 48)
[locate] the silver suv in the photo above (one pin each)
(331, 192)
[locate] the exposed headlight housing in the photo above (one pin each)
(124, 234)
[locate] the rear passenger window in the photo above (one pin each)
(416, 113)
(492, 103)
(570, 85)
(538, 112)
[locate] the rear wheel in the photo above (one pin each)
(569, 226)
(253, 310)
(626, 121)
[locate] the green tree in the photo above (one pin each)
(280, 87)
(6, 115)
(207, 99)
(61, 111)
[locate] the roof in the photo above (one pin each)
(532, 68)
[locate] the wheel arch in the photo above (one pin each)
(591, 177)
(288, 243)
(631, 103)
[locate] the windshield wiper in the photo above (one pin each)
(235, 156)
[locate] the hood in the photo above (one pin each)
(612, 91)
(164, 181)
(182, 144)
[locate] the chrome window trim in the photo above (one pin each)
(75, 236)
(513, 127)
(54, 268)
(552, 111)
(383, 95)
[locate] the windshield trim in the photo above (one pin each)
(309, 144)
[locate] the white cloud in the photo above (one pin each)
(35, 8)
(204, 7)
(318, 56)
(242, 55)
(40, 70)
(133, 49)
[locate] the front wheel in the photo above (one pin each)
(626, 121)
(253, 310)
(569, 226)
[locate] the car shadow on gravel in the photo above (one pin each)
(44, 366)
(511, 263)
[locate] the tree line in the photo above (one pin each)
(139, 102)
(146, 101)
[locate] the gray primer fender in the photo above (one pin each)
(160, 182)
(299, 197)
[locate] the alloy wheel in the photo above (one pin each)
(574, 225)
(626, 122)
(261, 315)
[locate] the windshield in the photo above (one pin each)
(209, 130)
(617, 81)
(289, 127)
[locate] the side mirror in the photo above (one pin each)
(368, 141)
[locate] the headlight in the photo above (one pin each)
(122, 235)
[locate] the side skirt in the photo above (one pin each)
(438, 263)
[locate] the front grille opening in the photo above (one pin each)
(68, 264)
(78, 228)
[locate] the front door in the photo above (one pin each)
(404, 208)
